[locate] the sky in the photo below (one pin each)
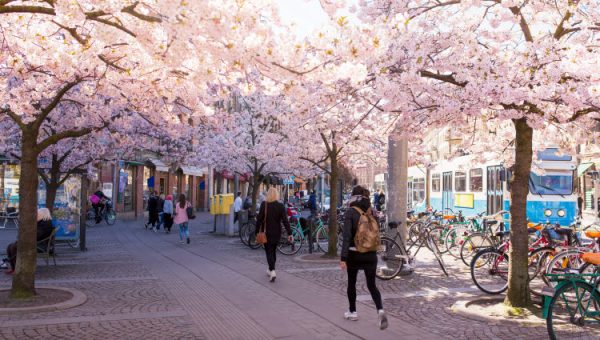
(306, 14)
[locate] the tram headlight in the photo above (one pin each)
(561, 213)
(547, 212)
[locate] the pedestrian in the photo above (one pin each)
(271, 216)
(580, 205)
(160, 207)
(237, 207)
(44, 230)
(182, 220)
(152, 210)
(168, 213)
(312, 203)
(381, 201)
(352, 260)
(376, 199)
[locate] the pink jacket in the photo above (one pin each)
(181, 213)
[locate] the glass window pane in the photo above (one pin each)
(551, 184)
(435, 182)
(476, 180)
(460, 181)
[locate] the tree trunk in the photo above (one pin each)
(518, 287)
(51, 190)
(23, 283)
(255, 185)
(333, 203)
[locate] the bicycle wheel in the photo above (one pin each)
(564, 262)
(414, 231)
(536, 267)
(454, 238)
(489, 271)
(290, 248)
(243, 234)
(573, 312)
(322, 239)
(438, 234)
(390, 259)
(432, 245)
(472, 244)
(110, 217)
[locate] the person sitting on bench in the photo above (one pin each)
(44, 230)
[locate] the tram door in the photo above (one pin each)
(495, 198)
(447, 199)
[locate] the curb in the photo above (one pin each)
(461, 308)
(78, 299)
(301, 258)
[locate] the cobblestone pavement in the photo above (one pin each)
(144, 285)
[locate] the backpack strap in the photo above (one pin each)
(359, 210)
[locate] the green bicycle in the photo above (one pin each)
(572, 309)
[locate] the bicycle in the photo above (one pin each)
(108, 214)
(573, 307)
(392, 255)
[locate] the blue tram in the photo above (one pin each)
(462, 184)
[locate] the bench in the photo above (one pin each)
(48, 251)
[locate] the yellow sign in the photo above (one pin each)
(464, 201)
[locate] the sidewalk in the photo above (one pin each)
(145, 285)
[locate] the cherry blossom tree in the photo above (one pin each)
(254, 134)
(78, 66)
(530, 63)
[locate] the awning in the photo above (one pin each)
(158, 164)
(192, 170)
(583, 167)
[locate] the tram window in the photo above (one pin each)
(460, 181)
(435, 182)
(418, 190)
(551, 184)
(476, 179)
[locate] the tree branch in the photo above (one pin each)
(57, 98)
(447, 78)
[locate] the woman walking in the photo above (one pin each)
(352, 261)
(271, 215)
(181, 219)
(168, 213)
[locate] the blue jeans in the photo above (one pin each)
(184, 231)
(161, 220)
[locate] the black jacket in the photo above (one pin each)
(160, 205)
(44, 229)
(276, 216)
(351, 218)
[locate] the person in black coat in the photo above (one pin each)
(276, 215)
(152, 210)
(44, 230)
(352, 261)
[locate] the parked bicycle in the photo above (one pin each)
(393, 253)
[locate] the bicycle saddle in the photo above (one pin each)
(394, 225)
(592, 258)
(592, 234)
(502, 233)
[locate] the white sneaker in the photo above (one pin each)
(353, 316)
(273, 276)
(383, 322)
(268, 273)
(182, 242)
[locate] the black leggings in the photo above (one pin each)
(11, 252)
(271, 251)
(370, 277)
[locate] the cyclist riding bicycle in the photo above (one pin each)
(98, 200)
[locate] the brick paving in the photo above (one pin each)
(142, 285)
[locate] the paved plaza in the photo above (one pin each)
(145, 285)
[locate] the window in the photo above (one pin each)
(460, 181)
(435, 182)
(418, 191)
(476, 180)
(551, 184)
